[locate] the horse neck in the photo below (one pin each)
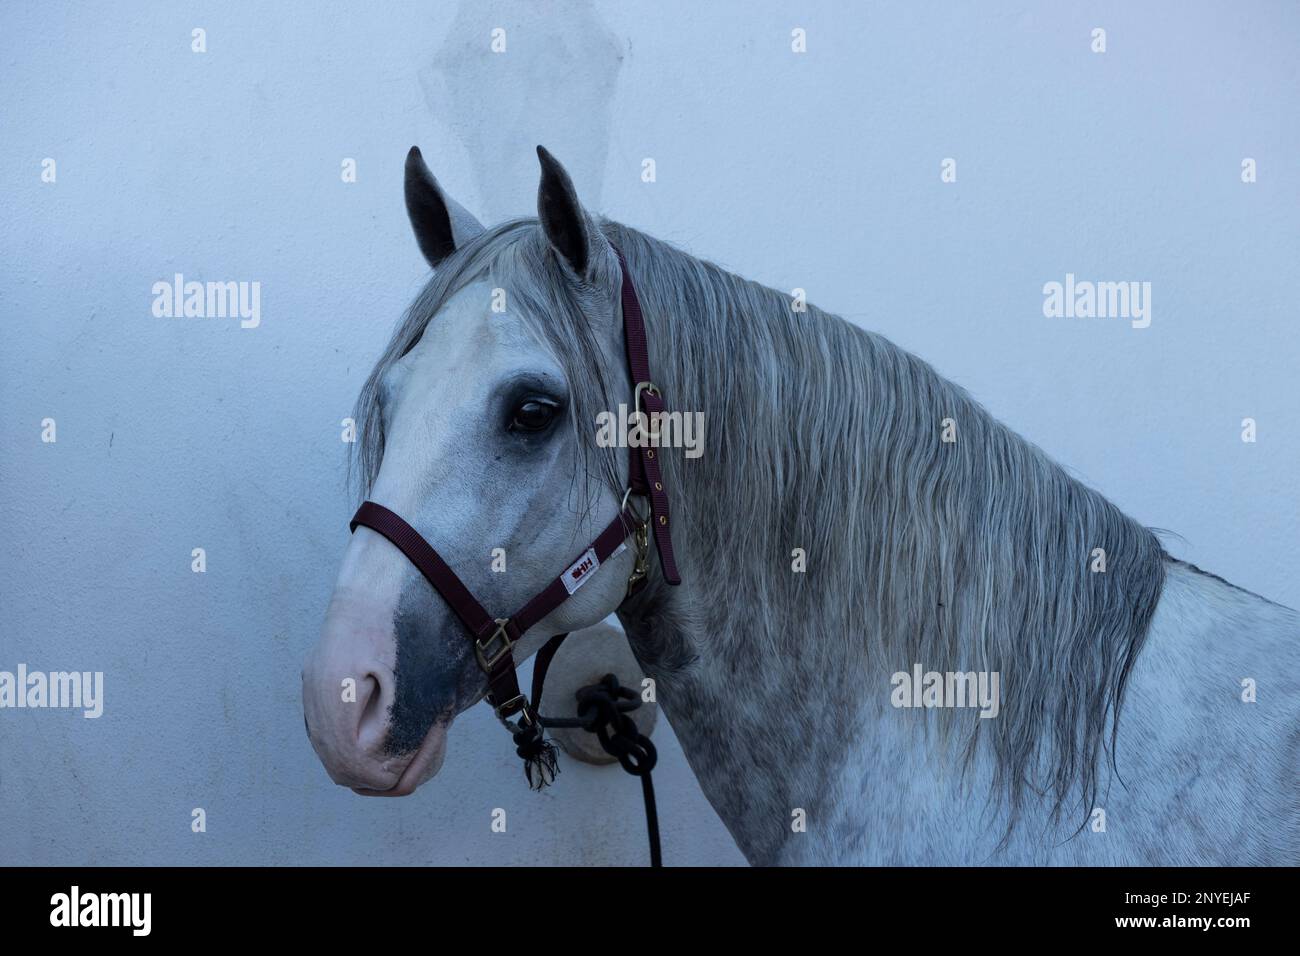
(761, 618)
(766, 731)
(960, 552)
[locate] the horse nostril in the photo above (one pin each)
(372, 724)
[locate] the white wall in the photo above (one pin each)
(818, 170)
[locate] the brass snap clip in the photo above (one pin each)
(640, 544)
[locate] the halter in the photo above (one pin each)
(495, 638)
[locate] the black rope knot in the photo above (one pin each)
(603, 710)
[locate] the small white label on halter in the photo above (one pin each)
(577, 573)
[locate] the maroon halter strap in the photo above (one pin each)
(644, 476)
(494, 638)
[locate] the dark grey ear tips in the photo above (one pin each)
(562, 217)
(441, 224)
(427, 209)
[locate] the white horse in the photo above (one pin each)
(857, 525)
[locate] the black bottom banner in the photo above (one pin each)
(237, 904)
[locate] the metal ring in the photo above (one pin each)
(642, 518)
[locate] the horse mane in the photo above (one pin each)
(965, 555)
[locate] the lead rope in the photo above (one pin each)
(603, 710)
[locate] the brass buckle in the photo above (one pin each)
(641, 388)
(488, 657)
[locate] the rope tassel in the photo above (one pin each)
(541, 762)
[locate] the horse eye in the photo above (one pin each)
(533, 415)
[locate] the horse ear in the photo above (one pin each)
(441, 224)
(568, 228)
